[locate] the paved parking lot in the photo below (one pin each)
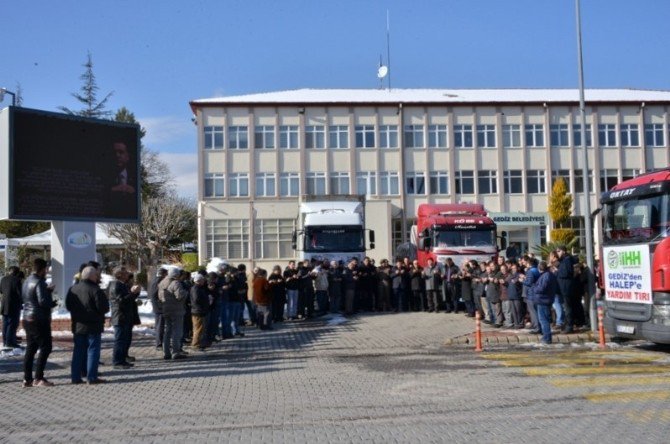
(378, 378)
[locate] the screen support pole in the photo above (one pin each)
(72, 244)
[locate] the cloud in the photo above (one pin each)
(165, 132)
(184, 169)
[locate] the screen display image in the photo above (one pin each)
(69, 168)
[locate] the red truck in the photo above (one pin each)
(635, 259)
(462, 231)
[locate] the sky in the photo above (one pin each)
(157, 55)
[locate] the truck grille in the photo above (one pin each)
(629, 312)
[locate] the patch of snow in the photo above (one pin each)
(335, 319)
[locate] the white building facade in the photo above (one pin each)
(260, 153)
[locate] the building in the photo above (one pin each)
(259, 153)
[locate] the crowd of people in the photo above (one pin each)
(201, 308)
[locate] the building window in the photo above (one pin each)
(365, 136)
(578, 225)
(265, 184)
(228, 238)
(512, 136)
(439, 182)
(577, 135)
(289, 184)
(339, 183)
(388, 136)
(607, 134)
(653, 134)
(629, 174)
(534, 135)
(238, 138)
(273, 238)
(608, 178)
(389, 183)
(264, 136)
(238, 185)
(559, 135)
(414, 136)
(316, 184)
(536, 182)
(486, 136)
(315, 136)
(214, 185)
(565, 174)
(338, 136)
(289, 137)
(487, 182)
(579, 181)
(465, 182)
(366, 183)
(213, 137)
(513, 182)
(437, 136)
(415, 183)
(463, 136)
(630, 134)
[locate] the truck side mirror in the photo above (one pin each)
(372, 239)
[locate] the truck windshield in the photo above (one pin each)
(638, 219)
(327, 239)
(457, 238)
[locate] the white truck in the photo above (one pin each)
(332, 228)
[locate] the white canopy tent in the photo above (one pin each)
(43, 239)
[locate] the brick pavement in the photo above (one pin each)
(378, 378)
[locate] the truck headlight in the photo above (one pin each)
(661, 298)
(660, 314)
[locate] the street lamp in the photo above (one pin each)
(4, 91)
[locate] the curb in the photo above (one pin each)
(498, 339)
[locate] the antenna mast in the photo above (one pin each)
(388, 47)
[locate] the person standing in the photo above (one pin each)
(263, 297)
(200, 308)
(431, 277)
(10, 294)
(350, 281)
(529, 279)
(87, 305)
(276, 282)
(306, 297)
(544, 290)
(398, 274)
(292, 283)
(122, 299)
(335, 287)
(565, 277)
(384, 286)
(514, 292)
(321, 287)
(418, 300)
(37, 306)
(450, 286)
(157, 306)
(465, 277)
(173, 294)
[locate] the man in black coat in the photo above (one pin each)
(565, 277)
(37, 306)
(87, 305)
(10, 301)
(122, 300)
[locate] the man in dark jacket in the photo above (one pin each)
(565, 277)
(10, 301)
(157, 306)
(199, 309)
(87, 305)
(544, 291)
(37, 305)
(122, 299)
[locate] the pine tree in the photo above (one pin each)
(88, 95)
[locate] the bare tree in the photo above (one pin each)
(164, 219)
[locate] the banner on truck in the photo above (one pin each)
(627, 274)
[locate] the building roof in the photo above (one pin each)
(308, 96)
